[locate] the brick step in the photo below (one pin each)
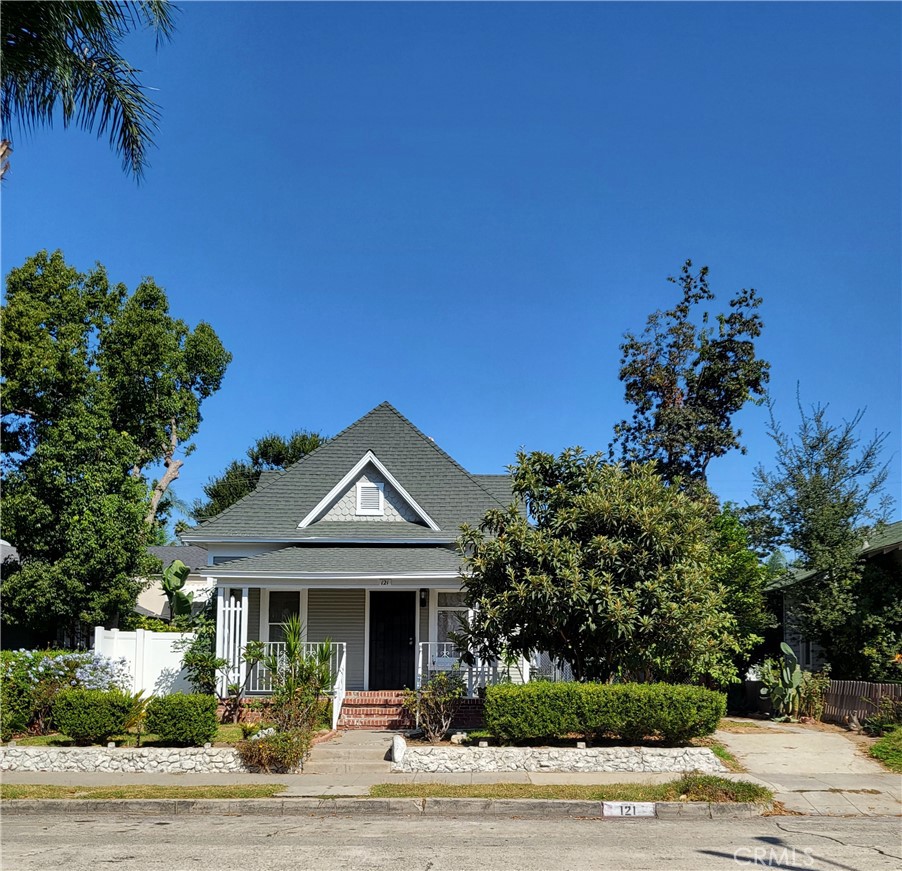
(387, 711)
(374, 725)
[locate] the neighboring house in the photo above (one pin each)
(152, 600)
(357, 539)
(884, 548)
(7, 552)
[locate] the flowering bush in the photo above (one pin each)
(31, 679)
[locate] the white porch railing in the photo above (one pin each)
(441, 656)
(260, 681)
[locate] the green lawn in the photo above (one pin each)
(41, 790)
(229, 733)
(889, 750)
(690, 787)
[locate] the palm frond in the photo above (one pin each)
(65, 55)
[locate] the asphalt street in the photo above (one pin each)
(261, 843)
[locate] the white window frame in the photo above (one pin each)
(444, 662)
(371, 511)
(264, 608)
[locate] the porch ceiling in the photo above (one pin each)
(363, 559)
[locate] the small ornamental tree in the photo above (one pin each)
(614, 575)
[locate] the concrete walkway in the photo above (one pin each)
(814, 772)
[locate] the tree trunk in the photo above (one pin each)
(172, 472)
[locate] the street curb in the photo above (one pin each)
(438, 807)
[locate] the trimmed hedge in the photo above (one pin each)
(183, 718)
(91, 716)
(630, 711)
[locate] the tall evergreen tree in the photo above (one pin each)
(821, 501)
(686, 379)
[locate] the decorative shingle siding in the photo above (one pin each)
(340, 615)
(396, 509)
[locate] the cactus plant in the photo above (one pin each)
(783, 683)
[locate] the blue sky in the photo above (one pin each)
(461, 208)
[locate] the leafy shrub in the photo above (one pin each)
(183, 718)
(31, 679)
(92, 716)
(276, 751)
(199, 657)
(631, 711)
(301, 681)
(435, 705)
(886, 717)
(889, 750)
(813, 693)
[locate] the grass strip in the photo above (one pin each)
(889, 750)
(228, 733)
(720, 751)
(52, 791)
(691, 787)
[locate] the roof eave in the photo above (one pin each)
(211, 572)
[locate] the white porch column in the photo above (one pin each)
(221, 651)
(242, 635)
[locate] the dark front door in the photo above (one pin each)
(392, 639)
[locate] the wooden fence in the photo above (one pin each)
(846, 698)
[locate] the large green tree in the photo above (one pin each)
(744, 579)
(99, 385)
(77, 519)
(686, 377)
(614, 574)
(240, 477)
(821, 501)
(63, 56)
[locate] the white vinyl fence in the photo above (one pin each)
(154, 658)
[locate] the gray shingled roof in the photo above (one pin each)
(345, 559)
(446, 491)
(191, 556)
(888, 539)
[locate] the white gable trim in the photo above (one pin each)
(342, 486)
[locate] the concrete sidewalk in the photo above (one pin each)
(815, 772)
(354, 761)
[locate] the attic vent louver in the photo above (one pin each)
(370, 499)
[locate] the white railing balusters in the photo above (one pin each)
(338, 689)
(439, 656)
(260, 682)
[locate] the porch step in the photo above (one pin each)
(374, 709)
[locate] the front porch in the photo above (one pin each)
(382, 639)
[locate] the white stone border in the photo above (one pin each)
(165, 760)
(441, 760)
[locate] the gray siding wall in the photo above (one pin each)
(253, 614)
(341, 616)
